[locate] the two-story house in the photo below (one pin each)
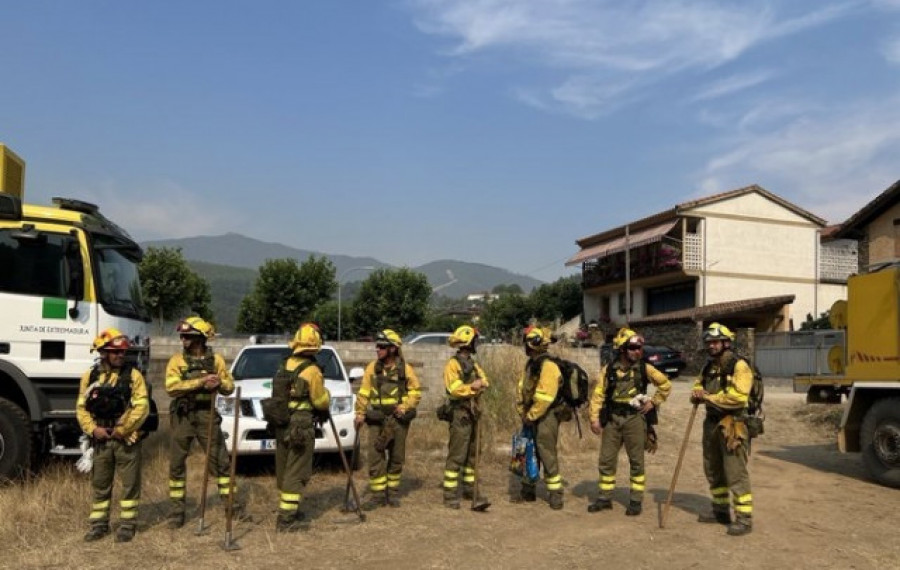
(876, 226)
(746, 257)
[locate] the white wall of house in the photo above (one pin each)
(752, 247)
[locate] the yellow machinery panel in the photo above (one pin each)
(873, 326)
(12, 173)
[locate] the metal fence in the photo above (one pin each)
(799, 352)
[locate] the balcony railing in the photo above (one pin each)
(645, 261)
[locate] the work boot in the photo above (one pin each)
(740, 527)
(374, 501)
(468, 491)
(634, 508)
(451, 503)
(526, 494)
(720, 517)
(393, 498)
(287, 523)
(600, 504)
(125, 533)
(97, 532)
(556, 500)
(175, 520)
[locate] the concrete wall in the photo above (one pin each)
(427, 360)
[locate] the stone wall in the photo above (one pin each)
(427, 360)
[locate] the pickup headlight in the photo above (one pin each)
(341, 405)
(225, 406)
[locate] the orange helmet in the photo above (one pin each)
(110, 339)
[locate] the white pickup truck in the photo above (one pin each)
(253, 370)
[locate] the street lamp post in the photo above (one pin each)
(339, 280)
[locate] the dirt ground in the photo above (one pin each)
(814, 508)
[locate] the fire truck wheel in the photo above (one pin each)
(879, 439)
(15, 441)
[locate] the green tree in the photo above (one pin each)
(561, 299)
(325, 316)
(821, 323)
(285, 294)
(503, 289)
(505, 316)
(391, 298)
(170, 288)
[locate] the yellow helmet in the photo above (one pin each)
(387, 336)
(463, 336)
(307, 338)
(626, 335)
(717, 331)
(537, 338)
(196, 326)
(110, 339)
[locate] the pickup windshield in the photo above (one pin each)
(264, 363)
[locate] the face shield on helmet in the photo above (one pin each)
(110, 339)
(387, 337)
(195, 326)
(307, 338)
(717, 331)
(464, 336)
(626, 336)
(537, 338)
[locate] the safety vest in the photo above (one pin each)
(107, 402)
(289, 386)
(468, 375)
(622, 390)
(198, 367)
(717, 379)
(389, 388)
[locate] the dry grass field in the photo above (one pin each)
(814, 509)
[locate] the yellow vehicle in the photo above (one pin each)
(866, 369)
(66, 273)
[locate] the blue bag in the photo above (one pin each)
(524, 461)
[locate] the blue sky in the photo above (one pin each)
(491, 131)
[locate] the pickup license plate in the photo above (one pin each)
(267, 444)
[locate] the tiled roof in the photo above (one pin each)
(718, 310)
(679, 209)
(870, 211)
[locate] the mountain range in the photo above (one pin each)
(229, 262)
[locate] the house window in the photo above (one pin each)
(670, 298)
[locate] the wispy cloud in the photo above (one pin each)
(733, 84)
(890, 49)
(829, 161)
(165, 210)
(610, 42)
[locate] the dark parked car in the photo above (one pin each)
(665, 359)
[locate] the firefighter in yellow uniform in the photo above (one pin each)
(623, 413)
(726, 442)
(386, 402)
(538, 406)
(300, 385)
(464, 382)
(193, 378)
(112, 404)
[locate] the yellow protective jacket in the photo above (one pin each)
(128, 425)
(315, 395)
(536, 393)
(737, 386)
(628, 385)
(388, 393)
(458, 383)
(184, 375)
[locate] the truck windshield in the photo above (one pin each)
(118, 285)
